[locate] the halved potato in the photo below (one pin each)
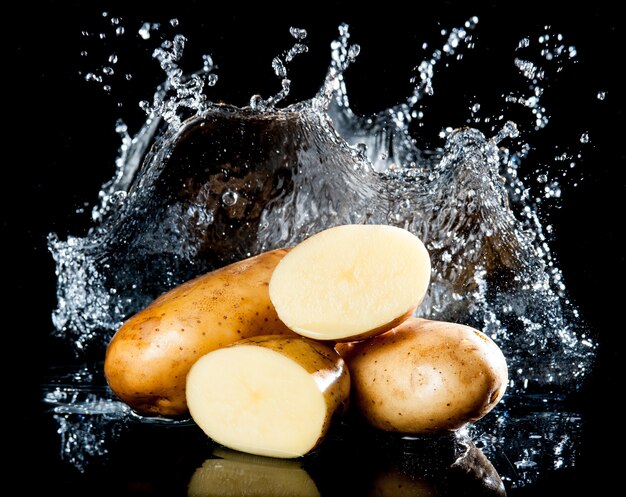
(425, 376)
(350, 282)
(271, 395)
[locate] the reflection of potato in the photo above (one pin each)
(147, 360)
(399, 484)
(269, 395)
(234, 474)
(351, 281)
(425, 376)
(434, 466)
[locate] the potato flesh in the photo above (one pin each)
(425, 376)
(350, 281)
(258, 399)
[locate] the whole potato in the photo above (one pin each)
(425, 376)
(147, 360)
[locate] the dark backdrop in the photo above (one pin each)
(61, 146)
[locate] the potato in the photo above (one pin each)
(351, 281)
(270, 396)
(233, 474)
(147, 360)
(425, 376)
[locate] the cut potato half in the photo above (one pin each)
(350, 282)
(271, 396)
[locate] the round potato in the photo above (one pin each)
(351, 281)
(425, 376)
(147, 360)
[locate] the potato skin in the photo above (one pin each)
(147, 360)
(425, 376)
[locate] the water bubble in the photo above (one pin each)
(584, 138)
(229, 198)
(174, 22)
(601, 95)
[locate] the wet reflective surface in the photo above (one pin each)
(68, 435)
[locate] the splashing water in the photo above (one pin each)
(203, 184)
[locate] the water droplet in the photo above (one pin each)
(117, 197)
(144, 31)
(229, 198)
(207, 63)
(93, 77)
(298, 33)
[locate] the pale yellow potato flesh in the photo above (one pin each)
(425, 376)
(147, 360)
(232, 475)
(351, 281)
(270, 396)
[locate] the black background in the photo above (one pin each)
(61, 146)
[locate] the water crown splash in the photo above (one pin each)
(203, 184)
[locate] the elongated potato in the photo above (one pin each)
(269, 395)
(425, 376)
(350, 282)
(233, 474)
(148, 358)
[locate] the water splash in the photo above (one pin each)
(203, 184)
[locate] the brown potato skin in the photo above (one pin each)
(425, 376)
(147, 360)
